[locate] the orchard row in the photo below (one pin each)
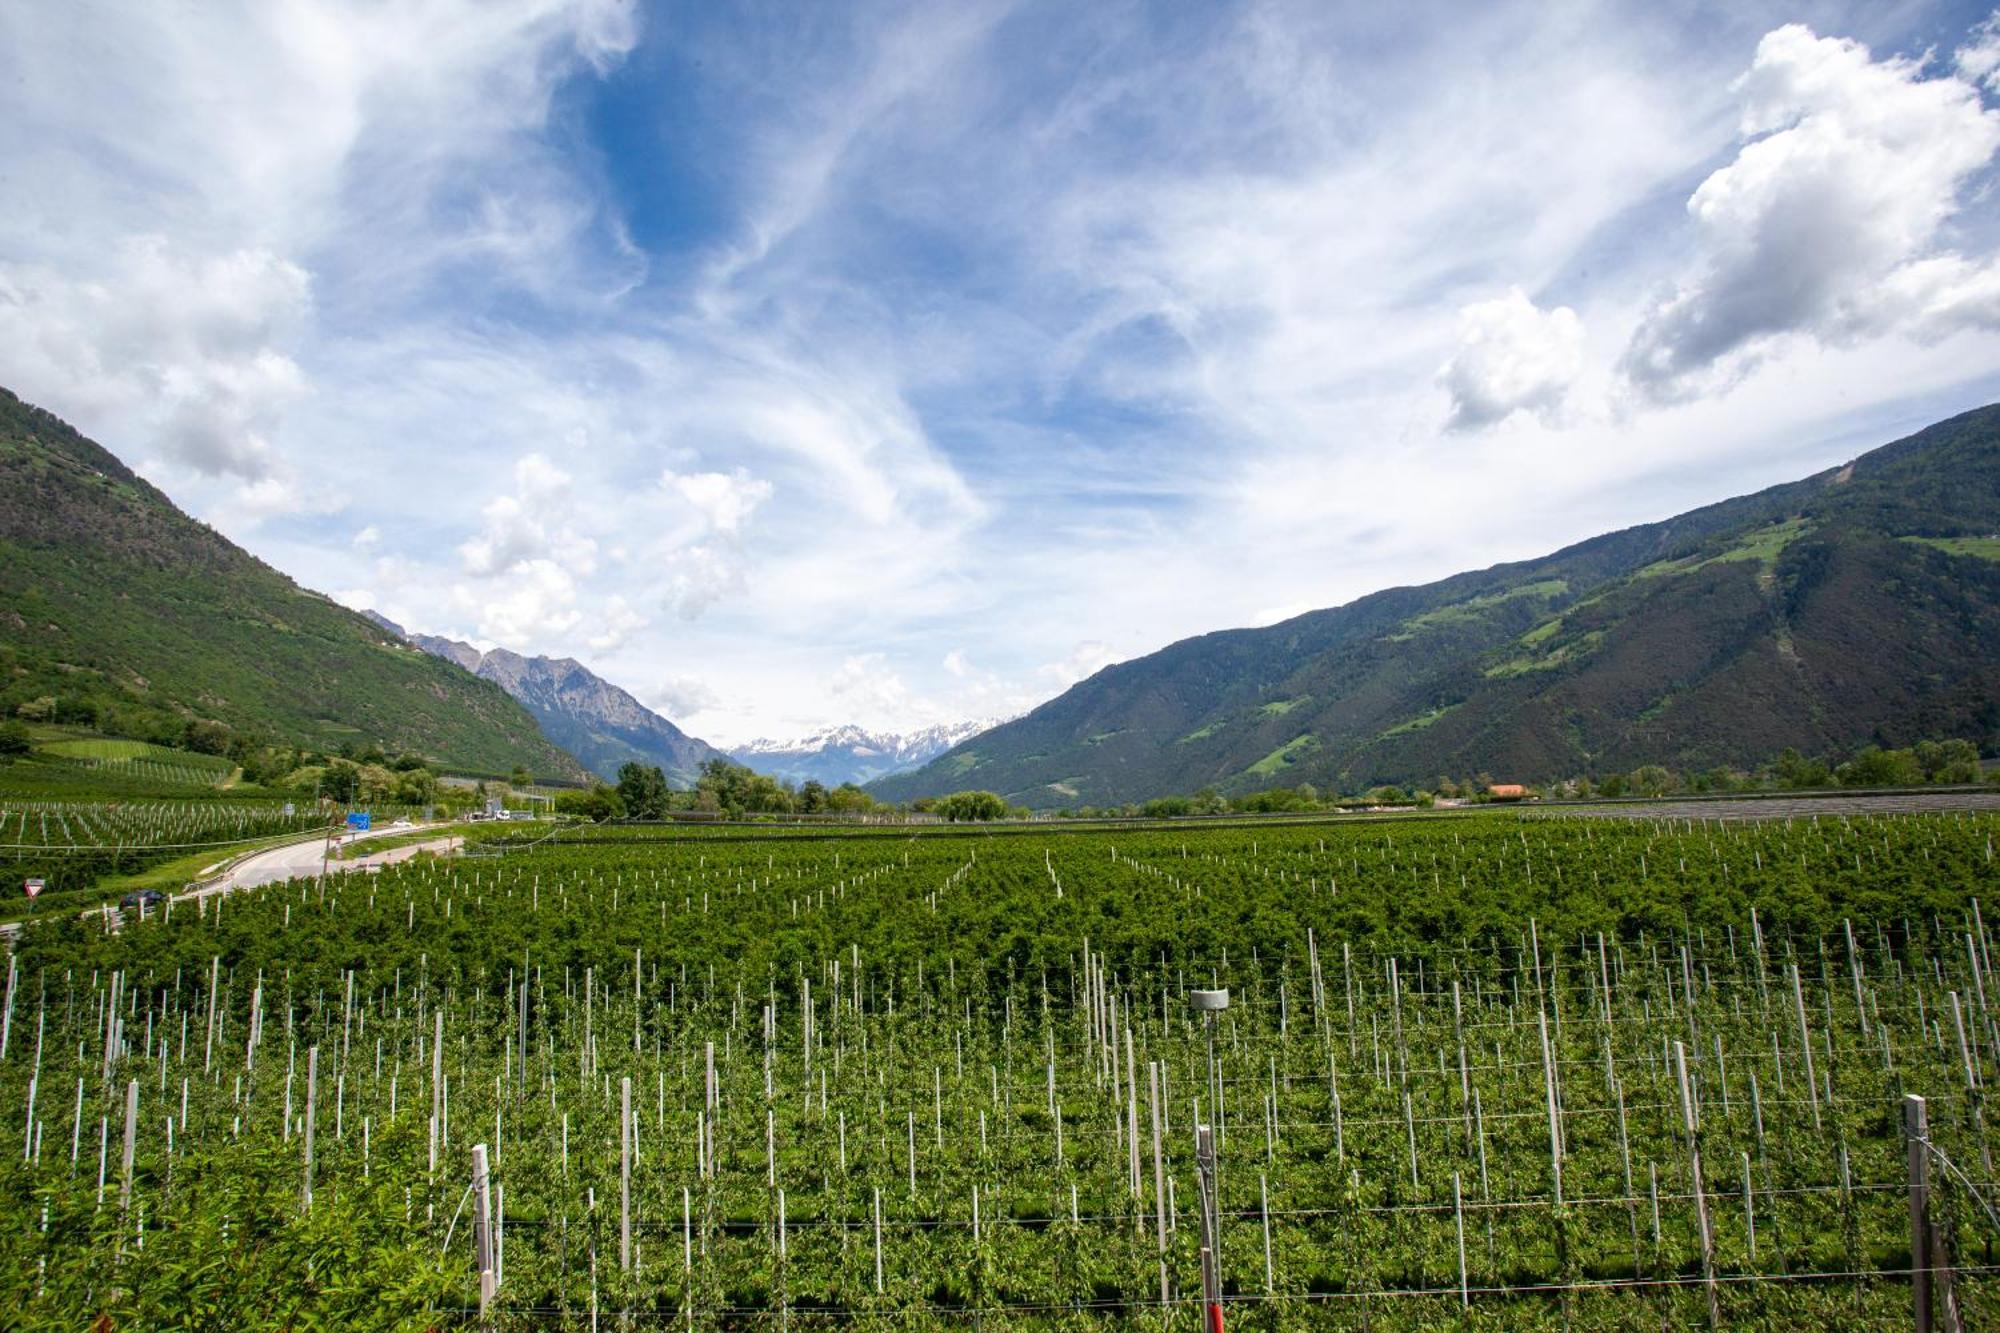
(1483, 1068)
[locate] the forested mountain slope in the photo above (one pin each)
(1857, 605)
(117, 608)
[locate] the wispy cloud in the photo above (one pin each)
(903, 363)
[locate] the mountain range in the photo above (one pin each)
(851, 754)
(602, 725)
(119, 610)
(1858, 605)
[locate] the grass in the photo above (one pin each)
(390, 841)
(1417, 723)
(1289, 753)
(1981, 548)
(1543, 632)
(1202, 733)
(104, 748)
(1280, 707)
(166, 876)
(1459, 613)
(1549, 661)
(1763, 545)
(138, 759)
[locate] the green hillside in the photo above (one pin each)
(119, 611)
(1862, 604)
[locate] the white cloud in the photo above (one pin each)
(702, 575)
(1512, 356)
(266, 498)
(368, 538)
(192, 351)
(1978, 61)
(537, 522)
(724, 500)
(710, 568)
(681, 697)
(1084, 660)
(888, 378)
(163, 236)
(1825, 224)
(616, 623)
(874, 691)
(536, 603)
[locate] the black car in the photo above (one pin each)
(143, 898)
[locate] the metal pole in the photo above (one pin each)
(625, 1175)
(1211, 1269)
(1159, 1176)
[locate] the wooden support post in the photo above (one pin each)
(1458, 1211)
(1805, 1044)
(878, 1238)
(1694, 1173)
(312, 1102)
(208, 1041)
(131, 1139)
(482, 1228)
(437, 1087)
(1916, 1136)
(1264, 1202)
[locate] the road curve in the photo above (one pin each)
(296, 859)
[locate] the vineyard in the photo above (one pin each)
(1475, 1070)
(73, 844)
(144, 763)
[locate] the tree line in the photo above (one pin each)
(729, 789)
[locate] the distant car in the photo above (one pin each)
(142, 898)
(401, 823)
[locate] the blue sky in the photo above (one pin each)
(902, 363)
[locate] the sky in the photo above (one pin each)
(896, 364)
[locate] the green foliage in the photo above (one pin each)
(642, 790)
(596, 803)
(1651, 780)
(906, 1017)
(1954, 760)
(15, 740)
(1876, 767)
(962, 806)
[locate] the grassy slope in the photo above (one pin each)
(1803, 615)
(110, 593)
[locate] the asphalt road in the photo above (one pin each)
(290, 861)
(296, 859)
